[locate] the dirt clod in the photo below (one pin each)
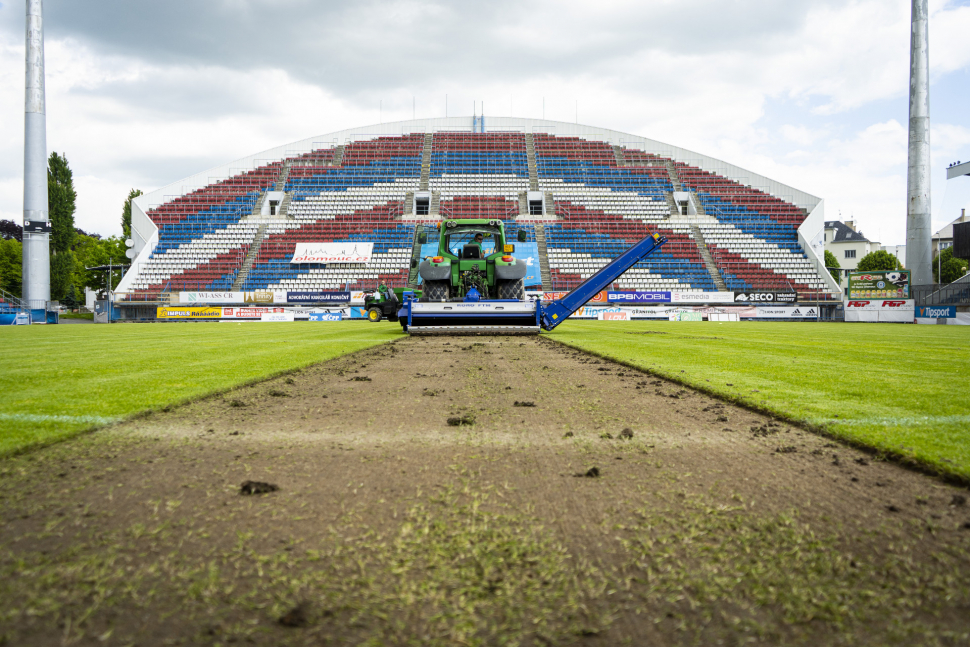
(523, 403)
(289, 380)
(722, 419)
(892, 508)
(237, 403)
(606, 435)
(568, 434)
(958, 500)
(861, 461)
(626, 433)
(788, 449)
(360, 378)
(591, 473)
(278, 394)
(257, 487)
(458, 421)
(295, 617)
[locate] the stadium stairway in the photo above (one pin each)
(243, 273)
(708, 259)
(544, 272)
(674, 177)
(426, 162)
(530, 152)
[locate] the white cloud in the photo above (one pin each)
(140, 99)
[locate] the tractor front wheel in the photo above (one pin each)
(437, 290)
(374, 315)
(511, 290)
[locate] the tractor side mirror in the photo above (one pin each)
(414, 263)
(422, 238)
(521, 235)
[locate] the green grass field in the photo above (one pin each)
(58, 381)
(899, 389)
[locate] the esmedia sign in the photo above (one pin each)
(638, 297)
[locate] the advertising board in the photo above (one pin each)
(686, 316)
(765, 297)
(188, 313)
(190, 298)
(880, 310)
(276, 316)
(599, 297)
(638, 297)
(248, 313)
(936, 312)
(351, 252)
(326, 316)
(879, 285)
(623, 315)
(318, 297)
(787, 312)
(702, 297)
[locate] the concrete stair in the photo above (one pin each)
(338, 156)
(674, 178)
(530, 151)
(523, 203)
(250, 258)
(674, 209)
(284, 175)
(258, 207)
(284, 212)
(544, 272)
(409, 203)
(618, 154)
(708, 259)
(426, 162)
(434, 207)
(550, 205)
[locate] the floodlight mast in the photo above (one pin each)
(918, 234)
(36, 237)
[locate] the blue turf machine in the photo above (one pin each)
(476, 316)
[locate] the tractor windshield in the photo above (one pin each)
(473, 242)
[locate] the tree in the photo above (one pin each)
(10, 229)
(61, 198)
(832, 264)
(11, 265)
(878, 261)
(70, 299)
(126, 213)
(952, 267)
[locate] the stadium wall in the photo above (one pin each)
(145, 233)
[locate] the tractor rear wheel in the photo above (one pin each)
(437, 290)
(511, 290)
(374, 315)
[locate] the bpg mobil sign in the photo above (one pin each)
(638, 297)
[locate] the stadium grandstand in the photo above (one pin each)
(582, 194)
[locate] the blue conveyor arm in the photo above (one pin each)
(556, 312)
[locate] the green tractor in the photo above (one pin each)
(384, 302)
(473, 253)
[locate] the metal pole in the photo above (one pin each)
(918, 248)
(36, 250)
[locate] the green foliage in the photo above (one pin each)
(61, 380)
(11, 263)
(953, 268)
(62, 272)
(61, 198)
(126, 213)
(874, 384)
(878, 261)
(70, 299)
(832, 264)
(92, 252)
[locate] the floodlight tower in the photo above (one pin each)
(36, 261)
(918, 234)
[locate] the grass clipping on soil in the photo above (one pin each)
(451, 572)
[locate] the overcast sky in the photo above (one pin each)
(812, 93)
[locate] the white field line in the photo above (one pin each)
(32, 417)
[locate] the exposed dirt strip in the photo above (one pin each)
(474, 491)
